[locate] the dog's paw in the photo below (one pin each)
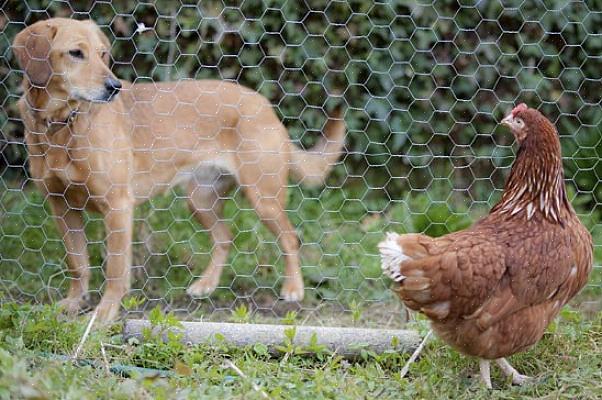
(292, 289)
(202, 287)
(107, 311)
(72, 305)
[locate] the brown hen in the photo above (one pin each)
(491, 290)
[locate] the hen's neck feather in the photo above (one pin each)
(535, 185)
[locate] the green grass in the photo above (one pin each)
(565, 364)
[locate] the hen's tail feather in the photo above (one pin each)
(405, 259)
(392, 255)
(398, 249)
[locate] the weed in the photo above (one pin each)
(290, 318)
(241, 314)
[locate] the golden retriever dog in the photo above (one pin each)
(99, 144)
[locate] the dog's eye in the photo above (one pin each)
(76, 53)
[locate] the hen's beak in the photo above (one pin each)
(508, 121)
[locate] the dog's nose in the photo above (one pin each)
(112, 84)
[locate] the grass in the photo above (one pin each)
(339, 229)
(565, 364)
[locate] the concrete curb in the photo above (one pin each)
(345, 341)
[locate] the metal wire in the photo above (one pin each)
(424, 85)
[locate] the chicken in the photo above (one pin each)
(491, 290)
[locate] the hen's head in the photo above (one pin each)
(526, 122)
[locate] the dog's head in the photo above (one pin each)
(67, 57)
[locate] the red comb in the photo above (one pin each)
(519, 108)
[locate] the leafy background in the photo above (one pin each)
(424, 84)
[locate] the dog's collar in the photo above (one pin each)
(53, 126)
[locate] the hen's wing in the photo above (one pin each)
(538, 265)
(583, 249)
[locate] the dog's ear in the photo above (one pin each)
(107, 44)
(31, 48)
(104, 39)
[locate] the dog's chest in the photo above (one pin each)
(71, 167)
(74, 174)
(78, 195)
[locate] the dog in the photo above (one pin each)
(103, 145)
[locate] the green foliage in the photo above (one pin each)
(356, 311)
(133, 302)
(290, 318)
(241, 314)
(288, 347)
(158, 319)
(319, 350)
(260, 349)
(40, 327)
(421, 81)
(161, 343)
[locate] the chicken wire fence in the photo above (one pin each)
(423, 86)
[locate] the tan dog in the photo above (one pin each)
(91, 149)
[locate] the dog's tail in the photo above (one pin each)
(310, 167)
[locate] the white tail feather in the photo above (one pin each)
(391, 256)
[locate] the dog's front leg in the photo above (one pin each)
(118, 225)
(71, 226)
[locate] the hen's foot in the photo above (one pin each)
(509, 370)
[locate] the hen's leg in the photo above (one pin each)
(485, 372)
(509, 370)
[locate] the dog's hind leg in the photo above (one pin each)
(268, 196)
(71, 226)
(207, 191)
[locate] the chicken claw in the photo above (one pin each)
(508, 370)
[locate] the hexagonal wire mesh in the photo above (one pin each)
(423, 85)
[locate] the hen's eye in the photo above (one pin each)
(520, 122)
(76, 53)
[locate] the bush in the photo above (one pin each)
(424, 84)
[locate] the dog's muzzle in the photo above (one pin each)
(112, 88)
